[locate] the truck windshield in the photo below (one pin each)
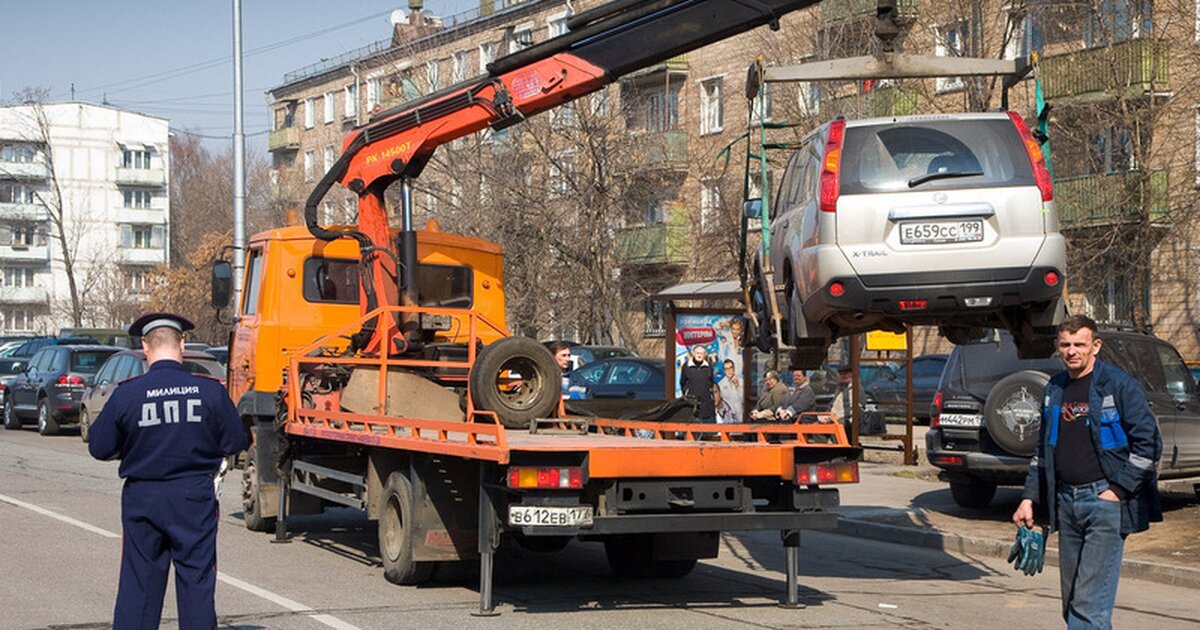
(335, 280)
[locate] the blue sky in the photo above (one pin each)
(173, 58)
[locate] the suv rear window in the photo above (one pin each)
(89, 361)
(890, 157)
(981, 365)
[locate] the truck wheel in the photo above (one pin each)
(85, 423)
(396, 536)
(518, 379)
(975, 493)
(632, 556)
(11, 421)
(252, 497)
(47, 425)
(1013, 412)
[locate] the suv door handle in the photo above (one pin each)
(1181, 405)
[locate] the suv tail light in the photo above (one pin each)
(817, 474)
(70, 379)
(540, 477)
(1040, 174)
(935, 410)
(832, 166)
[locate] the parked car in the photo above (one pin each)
(987, 411)
(890, 389)
(107, 336)
(584, 354)
(50, 388)
(30, 347)
(196, 345)
(221, 354)
(944, 220)
(635, 378)
(128, 364)
(10, 369)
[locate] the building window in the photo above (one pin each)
(563, 116)
(330, 157)
(131, 158)
(710, 204)
(951, 41)
(143, 236)
(350, 107)
(137, 280)
(374, 92)
(18, 153)
(808, 98)
(15, 193)
(712, 107)
(329, 103)
(18, 319)
(487, 54)
(522, 38)
(310, 159)
(561, 169)
(655, 326)
(310, 112)
(139, 199)
(760, 107)
(431, 202)
(557, 24)
(458, 67)
(600, 103)
(433, 71)
(21, 235)
(17, 277)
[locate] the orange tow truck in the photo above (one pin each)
(374, 368)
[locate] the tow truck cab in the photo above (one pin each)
(298, 288)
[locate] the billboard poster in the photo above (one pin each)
(720, 337)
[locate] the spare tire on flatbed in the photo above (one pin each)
(518, 379)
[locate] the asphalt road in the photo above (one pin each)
(59, 552)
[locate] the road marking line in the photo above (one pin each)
(55, 515)
(280, 600)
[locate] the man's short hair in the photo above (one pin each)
(163, 336)
(1076, 323)
(771, 374)
(559, 346)
(729, 362)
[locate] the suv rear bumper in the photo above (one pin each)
(944, 293)
(1002, 469)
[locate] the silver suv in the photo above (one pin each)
(943, 220)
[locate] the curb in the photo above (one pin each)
(944, 541)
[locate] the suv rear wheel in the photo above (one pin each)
(1013, 412)
(47, 425)
(974, 493)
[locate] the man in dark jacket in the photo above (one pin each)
(1094, 470)
(772, 396)
(696, 380)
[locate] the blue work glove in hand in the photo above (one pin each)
(1028, 553)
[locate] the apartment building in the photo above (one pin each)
(84, 210)
(1123, 136)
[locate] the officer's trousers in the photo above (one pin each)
(168, 522)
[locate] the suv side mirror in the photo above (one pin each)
(222, 283)
(752, 208)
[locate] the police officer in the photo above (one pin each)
(171, 430)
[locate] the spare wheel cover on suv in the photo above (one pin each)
(1013, 411)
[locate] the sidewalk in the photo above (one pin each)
(907, 505)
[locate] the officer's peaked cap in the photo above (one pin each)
(150, 321)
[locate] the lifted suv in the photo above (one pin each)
(942, 220)
(987, 411)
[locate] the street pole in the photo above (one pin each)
(239, 163)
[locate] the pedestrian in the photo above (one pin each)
(773, 393)
(696, 380)
(1094, 471)
(801, 399)
(171, 430)
(562, 356)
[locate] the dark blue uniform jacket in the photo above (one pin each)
(1128, 443)
(167, 424)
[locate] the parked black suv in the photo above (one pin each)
(51, 387)
(987, 410)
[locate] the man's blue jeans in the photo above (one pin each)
(1089, 549)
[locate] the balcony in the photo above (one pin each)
(658, 244)
(142, 255)
(1094, 200)
(126, 176)
(143, 216)
(662, 150)
(833, 11)
(24, 295)
(1132, 68)
(285, 139)
(24, 212)
(24, 170)
(25, 253)
(678, 63)
(879, 102)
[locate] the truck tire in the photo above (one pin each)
(85, 423)
(396, 537)
(632, 556)
(47, 425)
(11, 421)
(252, 496)
(1013, 412)
(518, 379)
(974, 493)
